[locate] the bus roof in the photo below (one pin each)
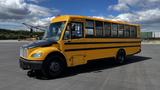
(67, 17)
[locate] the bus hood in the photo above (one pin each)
(40, 43)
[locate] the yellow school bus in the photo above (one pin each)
(73, 40)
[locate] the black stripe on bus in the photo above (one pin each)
(79, 49)
(69, 43)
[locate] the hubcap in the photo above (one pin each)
(54, 67)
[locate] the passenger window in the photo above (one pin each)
(90, 32)
(133, 32)
(114, 30)
(99, 29)
(127, 31)
(89, 28)
(76, 30)
(107, 29)
(120, 30)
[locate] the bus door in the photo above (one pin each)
(73, 37)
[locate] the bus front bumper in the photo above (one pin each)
(30, 65)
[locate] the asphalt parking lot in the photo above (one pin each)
(140, 72)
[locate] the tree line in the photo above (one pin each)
(20, 34)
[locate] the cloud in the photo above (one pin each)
(40, 11)
(148, 19)
(42, 22)
(14, 9)
(100, 17)
(125, 5)
(19, 11)
(144, 12)
(144, 17)
(119, 7)
(35, 1)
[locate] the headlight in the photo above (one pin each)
(36, 55)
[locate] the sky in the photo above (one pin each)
(39, 12)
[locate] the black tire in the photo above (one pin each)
(53, 67)
(120, 57)
(31, 73)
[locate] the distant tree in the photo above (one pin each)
(20, 34)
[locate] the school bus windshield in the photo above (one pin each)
(54, 31)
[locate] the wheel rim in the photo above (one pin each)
(54, 67)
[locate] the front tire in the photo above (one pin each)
(53, 67)
(31, 73)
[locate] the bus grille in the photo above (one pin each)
(23, 52)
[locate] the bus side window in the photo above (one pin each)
(133, 32)
(76, 30)
(121, 30)
(114, 30)
(99, 29)
(127, 31)
(107, 29)
(89, 26)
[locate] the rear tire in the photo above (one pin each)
(120, 57)
(53, 67)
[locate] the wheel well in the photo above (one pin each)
(58, 54)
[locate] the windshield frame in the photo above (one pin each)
(50, 27)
